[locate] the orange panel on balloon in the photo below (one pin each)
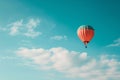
(85, 34)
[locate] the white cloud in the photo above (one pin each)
(58, 37)
(83, 55)
(31, 25)
(115, 43)
(72, 63)
(32, 34)
(27, 29)
(15, 27)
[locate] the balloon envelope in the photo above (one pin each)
(85, 33)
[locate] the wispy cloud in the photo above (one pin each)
(26, 43)
(21, 27)
(31, 25)
(15, 27)
(32, 28)
(115, 43)
(8, 58)
(72, 63)
(58, 37)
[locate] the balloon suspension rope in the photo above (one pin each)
(85, 43)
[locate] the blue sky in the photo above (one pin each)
(39, 41)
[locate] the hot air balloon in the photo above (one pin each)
(85, 34)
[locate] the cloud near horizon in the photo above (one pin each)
(73, 64)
